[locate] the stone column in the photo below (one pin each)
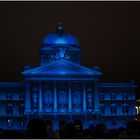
(84, 98)
(40, 97)
(27, 97)
(96, 97)
(55, 97)
(69, 97)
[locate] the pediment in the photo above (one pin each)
(61, 67)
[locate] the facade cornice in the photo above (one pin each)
(119, 85)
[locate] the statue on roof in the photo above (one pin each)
(59, 29)
(62, 54)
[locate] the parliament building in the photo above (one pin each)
(60, 88)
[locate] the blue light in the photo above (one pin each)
(64, 39)
(51, 89)
(63, 72)
(60, 41)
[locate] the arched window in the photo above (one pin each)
(89, 101)
(113, 109)
(21, 96)
(102, 109)
(35, 102)
(113, 121)
(9, 122)
(101, 119)
(77, 99)
(101, 96)
(125, 120)
(9, 109)
(62, 99)
(125, 108)
(113, 96)
(124, 96)
(21, 109)
(21, 123)
(10, 96)
(48, 99)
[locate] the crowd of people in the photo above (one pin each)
(38, 128)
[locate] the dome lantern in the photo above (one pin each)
(59, 29)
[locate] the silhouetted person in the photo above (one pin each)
(101, 131)
(48, 125)
(13, 134)
(87, 133)
(78, 127)
(54, 135)
(69, 130)
(91, 127)
(113, 133)
(132, 130)
(36, 129)
(62, 129)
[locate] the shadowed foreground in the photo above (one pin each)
(38, 128)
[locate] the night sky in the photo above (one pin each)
(108, 32)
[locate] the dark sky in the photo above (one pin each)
(108, 32)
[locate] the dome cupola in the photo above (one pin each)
(59, 38)
(60, 45)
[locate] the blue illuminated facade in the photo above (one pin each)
(60, 88)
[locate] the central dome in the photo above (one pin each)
(59, 38)
(59, 45)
